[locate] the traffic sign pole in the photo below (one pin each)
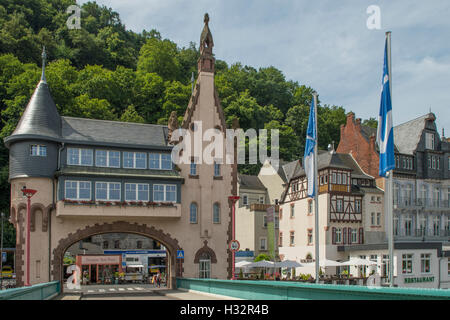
(233, 220)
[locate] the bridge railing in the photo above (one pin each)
(42, 291)
(280, 290)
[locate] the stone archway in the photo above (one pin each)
(116, 227)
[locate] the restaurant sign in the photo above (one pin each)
(417, 280)
(100, 259)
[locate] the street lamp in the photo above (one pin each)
(28, 193)
(233, 220)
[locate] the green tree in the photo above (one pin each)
(371, 122)
(91, 108)
(159, 56)
(130, 115)
(261, 257)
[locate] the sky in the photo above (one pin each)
(325, 44)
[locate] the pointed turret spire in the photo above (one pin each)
(44, 61)
(206, 61)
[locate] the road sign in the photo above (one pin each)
(180, 254)
(234, 245)
(4, 256)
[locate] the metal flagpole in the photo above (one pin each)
(388, 188)
(316, 195)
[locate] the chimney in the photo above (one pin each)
(350, 117)
(358, 123)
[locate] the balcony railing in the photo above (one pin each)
(421, 202)
(418, 233)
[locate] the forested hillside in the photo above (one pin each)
(104, 71)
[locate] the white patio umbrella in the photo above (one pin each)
(358, 262)
(241, 264)
(288, 264)
(261, 264)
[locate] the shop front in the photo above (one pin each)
(100, 269)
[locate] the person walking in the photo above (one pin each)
(158, 279)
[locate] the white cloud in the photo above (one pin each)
(324, 44)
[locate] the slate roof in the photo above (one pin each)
(40, 118)
(334, 160)
(250, 182)
(91, 131)
(407, 135)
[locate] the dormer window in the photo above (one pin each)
(38, 150)
(429, 141)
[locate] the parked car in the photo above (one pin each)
(7, 272)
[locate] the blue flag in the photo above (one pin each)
(311, 140)
(385, 133)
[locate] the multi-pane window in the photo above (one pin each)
(339, 205)
(107, 191)
(292, 238)
(357, 206)
(193, 169)
(135, 160)
(261, 199)
(116, 244)
(408, 225)
(425, 263)
(193, 213)
(216, 213)
(436, 225)
(280, 239)
(245, 199)
(354, 235)
(407, 263)
(429, 141)
(78, 190)
(378, 218)
(154, 160)
(162, 192)
(38, 150)
(106, 158)
(264, 221)
(136, 191)
(396, 226)
(160, 161)
(205, 266)
(292, 212)
(216, 169)
(263, 244)
(80, 157)
(338, 235)
(372, 218)
(310, 236)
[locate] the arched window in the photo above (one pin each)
(216, 213)
(193, 213)
(204, 266)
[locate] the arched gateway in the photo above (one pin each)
(123, 227)
(95, 177)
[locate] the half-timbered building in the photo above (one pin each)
(345, 204)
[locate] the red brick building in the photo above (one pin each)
(359, 141)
